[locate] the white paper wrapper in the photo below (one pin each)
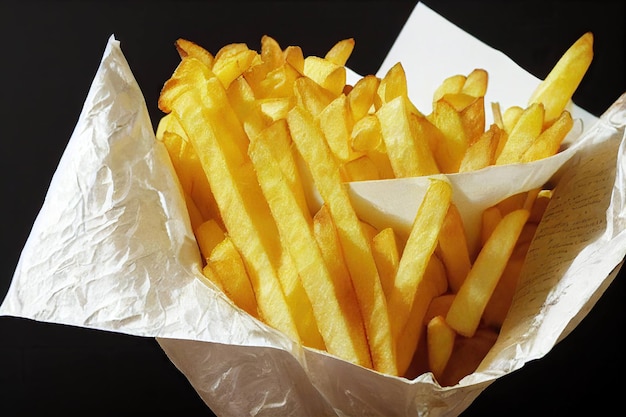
(112, 249)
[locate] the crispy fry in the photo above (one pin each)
(469, 304)
(556, 90)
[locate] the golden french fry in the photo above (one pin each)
(556, 90)
(293, 56)
(187, 48)
(450, 85)
(524, 133)
(387, 256)
(510, 117)
(340, 52)
(453, 249)
(473, 119)
(209, 234)
(226, 263)
(405, 140)
(242, 100)
(392, 85)
(482, 152)
(367, 137)
(476, 83)
(549, 141)
(470, 301)
(310, 142)
(432, 285)
(361, 97)
(311, 96)
(440, 339)
(326, 73)
(328, 241)
(491, 216)
(500, 301)
(231, 61)
(271, 52)
(189, 171)
(336, 123)
(419, 248)
(448, 120)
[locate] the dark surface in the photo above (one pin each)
(50, 52)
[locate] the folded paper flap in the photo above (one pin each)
(112, 247)
(103, 218)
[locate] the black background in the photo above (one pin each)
(49, 54)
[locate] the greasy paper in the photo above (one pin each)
(112, 248)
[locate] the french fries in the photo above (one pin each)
(251, 134)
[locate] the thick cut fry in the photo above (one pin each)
(343, 334)
(405, 141)
(216, 131)
(328, 241)
(387, 256)
(293, 56)
(209, 234)
(453, 248)
(189, 171)
(510, 117)
(325, 73)
(448, 120)
(470, 301)
(361, 97)
(336, 124)
(243, 102)
(549, 141)
(366, 135)
(473, 119)
(482, 153)
(271, 52)
(433, 284)
(440, 340)
(357, 251)
(392, 85)
(502, 297)
(231, 61)
(187, 48)
(225, 261)
(476, 83)
(526, 130)
(419, 248)
(451, 85)
(311, 96)
(557, 89)
(340, 52)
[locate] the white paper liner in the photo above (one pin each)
(112, 249)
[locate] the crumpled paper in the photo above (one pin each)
(112, 249)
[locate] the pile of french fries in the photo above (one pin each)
(249, 133)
